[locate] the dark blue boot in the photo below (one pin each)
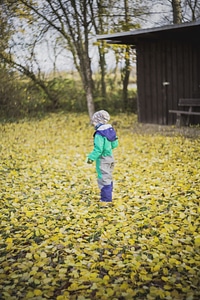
(106, 193)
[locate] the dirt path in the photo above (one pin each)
(190, 132)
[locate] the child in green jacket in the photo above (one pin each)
(105, 140)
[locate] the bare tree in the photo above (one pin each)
(191, 10)
(176, 11)
(126, 69)
(114, 17)
(66, 20)
(99, 19)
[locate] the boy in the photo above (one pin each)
(105, 140)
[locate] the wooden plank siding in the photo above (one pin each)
(169, 53)
(195, 79)
(159, 92)
(166, 61)
(171, 75)
(174, 81)
(151, 74)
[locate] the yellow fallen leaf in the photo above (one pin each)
(30, 295)
(106, 278)
(9, 240)
(94, 286)
(109, 292)
(156, 268)
(29, 214)
(43, 255)
(167, 287)
(197, 240)
(37, 292)
(29, 255)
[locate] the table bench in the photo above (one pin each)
(189, 103)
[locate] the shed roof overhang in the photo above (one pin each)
(184, 31)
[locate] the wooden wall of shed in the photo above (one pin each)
(166, 71)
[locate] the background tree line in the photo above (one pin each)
(68, 29)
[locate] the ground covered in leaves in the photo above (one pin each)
(58, 242)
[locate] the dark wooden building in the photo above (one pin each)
(168, 68)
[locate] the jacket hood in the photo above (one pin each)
(107, 131)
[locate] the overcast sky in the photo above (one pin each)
(64, 60)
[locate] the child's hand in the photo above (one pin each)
(89, 161)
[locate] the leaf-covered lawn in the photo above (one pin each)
(58, 242)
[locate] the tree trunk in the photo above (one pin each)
(126, 71)
(102, 64)
(90, 102)
(98, 23)
(126, 75)
(177, 14)
(88, 87)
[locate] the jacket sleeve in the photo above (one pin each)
(114, 144)
(98, 147)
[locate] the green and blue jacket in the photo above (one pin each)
(105, 140)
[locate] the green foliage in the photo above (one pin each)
(58, 242)
(114, 101)
(69, 92)
(11, 93)
(20, 97)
